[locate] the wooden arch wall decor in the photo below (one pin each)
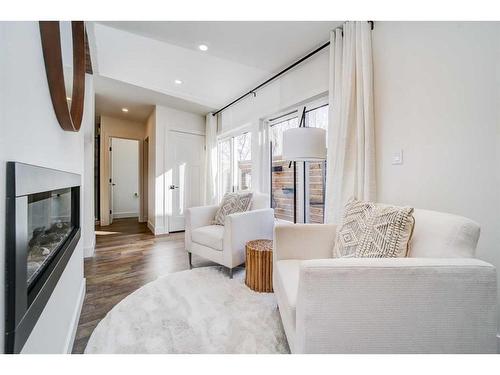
(69, 120)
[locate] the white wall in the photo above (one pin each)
(88, 129)
(30, 133)
(125, 162)
(159, 221)
(150, 135)
(306, 81)
(437, 99)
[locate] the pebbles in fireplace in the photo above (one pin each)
(42, 230)
(49, 225)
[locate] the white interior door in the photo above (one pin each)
(186, 188)
(125, 178)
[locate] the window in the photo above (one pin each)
(315, 171)
(282, 177)
(235, 163)
(297, 189)
(243, 161)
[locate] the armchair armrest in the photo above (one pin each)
(304, 241)
(245, 226)
(402, 305)
(201, 216)
(197, 217)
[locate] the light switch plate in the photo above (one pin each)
(397, 157)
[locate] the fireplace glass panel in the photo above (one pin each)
(49, 225)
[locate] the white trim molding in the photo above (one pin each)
(122, 215)
(88, 252)
(159, 230)
(156, 230)
(151, 227)
(76, 318)
(245, 128)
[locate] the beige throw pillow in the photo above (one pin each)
(231, 204)
(370, 230)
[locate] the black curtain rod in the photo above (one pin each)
(274, 77)
(280, 73)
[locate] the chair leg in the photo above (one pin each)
(190, 261)
(230, 273)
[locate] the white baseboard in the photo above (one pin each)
(151, 227)
(75, 319)
(159, 230)
(123, 215)
(156, 230)
(89, 252)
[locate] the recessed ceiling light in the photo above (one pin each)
(203, 47)
(124, 109)
(178, 82)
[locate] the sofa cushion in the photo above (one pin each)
(231, 204)
(442, 235)
(288, 278)
(370, 230)
(260, 201)
(211, 236)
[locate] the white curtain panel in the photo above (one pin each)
(351, 138)
(211, 160)
(264, 158)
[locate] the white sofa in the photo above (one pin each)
(438, 300)
(225, 244)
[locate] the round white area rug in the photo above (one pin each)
(194, 311)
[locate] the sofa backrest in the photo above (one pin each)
(260, 200)
(442, 235)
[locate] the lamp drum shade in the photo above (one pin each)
(304, 144)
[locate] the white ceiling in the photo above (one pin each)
(145, 62)
(266, 45)
(136, 63)
(113, 95)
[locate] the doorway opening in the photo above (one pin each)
(124, 181)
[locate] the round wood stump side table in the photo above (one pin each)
(259, 265)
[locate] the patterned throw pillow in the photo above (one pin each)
(369, 230)
(232, 203)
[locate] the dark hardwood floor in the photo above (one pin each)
(127, 256)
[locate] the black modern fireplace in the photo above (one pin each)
(42, 230)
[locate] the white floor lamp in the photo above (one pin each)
(304, 144)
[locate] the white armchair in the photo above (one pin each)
(439, 300)
(225, 244)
